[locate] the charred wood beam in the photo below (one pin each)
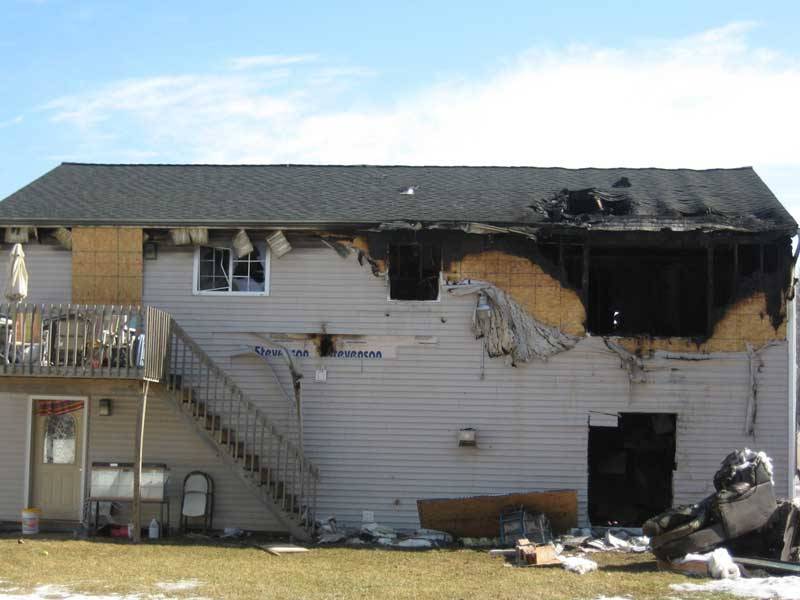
(710, 291)
(585, 278)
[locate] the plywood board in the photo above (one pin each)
(107, 265)
(479, 516)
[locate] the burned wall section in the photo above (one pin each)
(728, 291)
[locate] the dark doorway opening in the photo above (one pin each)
(630, 469)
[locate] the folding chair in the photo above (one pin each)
(198, 499)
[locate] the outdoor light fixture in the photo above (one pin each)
(468, 437)
(105, 407)
(483, 311)
(150, 251)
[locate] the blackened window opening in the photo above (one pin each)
(414, 271)
(648, 291)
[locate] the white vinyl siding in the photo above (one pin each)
(49, 272)
(383, 432)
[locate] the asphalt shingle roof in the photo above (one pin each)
(164, 195)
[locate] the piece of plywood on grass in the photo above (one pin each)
(479, 516)
(281, 549)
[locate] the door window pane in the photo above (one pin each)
(59, 440)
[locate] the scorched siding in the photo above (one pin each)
(383, 431)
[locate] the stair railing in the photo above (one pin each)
(266, 455)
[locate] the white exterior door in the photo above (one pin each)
(57, 458)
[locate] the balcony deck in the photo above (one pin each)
(90, 341)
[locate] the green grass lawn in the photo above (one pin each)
(95, 567)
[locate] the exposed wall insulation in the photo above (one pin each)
(106, 265)
(539, 293)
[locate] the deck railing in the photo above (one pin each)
(78, 340)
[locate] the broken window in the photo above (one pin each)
(218, 270)
(648, 291)
(414, 271)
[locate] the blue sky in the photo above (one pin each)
(692, 84)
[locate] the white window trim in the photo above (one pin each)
(196, 272)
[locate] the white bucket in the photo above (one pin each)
(30, 521)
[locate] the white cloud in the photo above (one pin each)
(13, 121)
(710, 100)
(270, 60)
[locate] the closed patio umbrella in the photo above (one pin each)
(17, 283)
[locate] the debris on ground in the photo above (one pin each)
(743, 514)
(281, 549)
(578, 564)
(606, 539)
(517, 523)
(381, 535)
(738, 535)
(531, 553)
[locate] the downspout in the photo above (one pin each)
(791, 324)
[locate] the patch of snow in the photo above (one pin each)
(577, 564)
(183, 584)
(54, 592)
(760, 588)
(57, 592)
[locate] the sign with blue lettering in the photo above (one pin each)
(304, 353)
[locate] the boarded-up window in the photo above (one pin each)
(106, 265)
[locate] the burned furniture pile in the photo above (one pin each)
(742, 516)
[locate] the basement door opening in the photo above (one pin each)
(630, 468)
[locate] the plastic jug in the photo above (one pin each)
(155, 529)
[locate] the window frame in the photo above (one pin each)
(196, 291)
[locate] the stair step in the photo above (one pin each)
(222, 434)
(236, 449)
(213, 422)
(251, 462)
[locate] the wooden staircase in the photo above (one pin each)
(271, 465)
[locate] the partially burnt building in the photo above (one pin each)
(316, 337)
